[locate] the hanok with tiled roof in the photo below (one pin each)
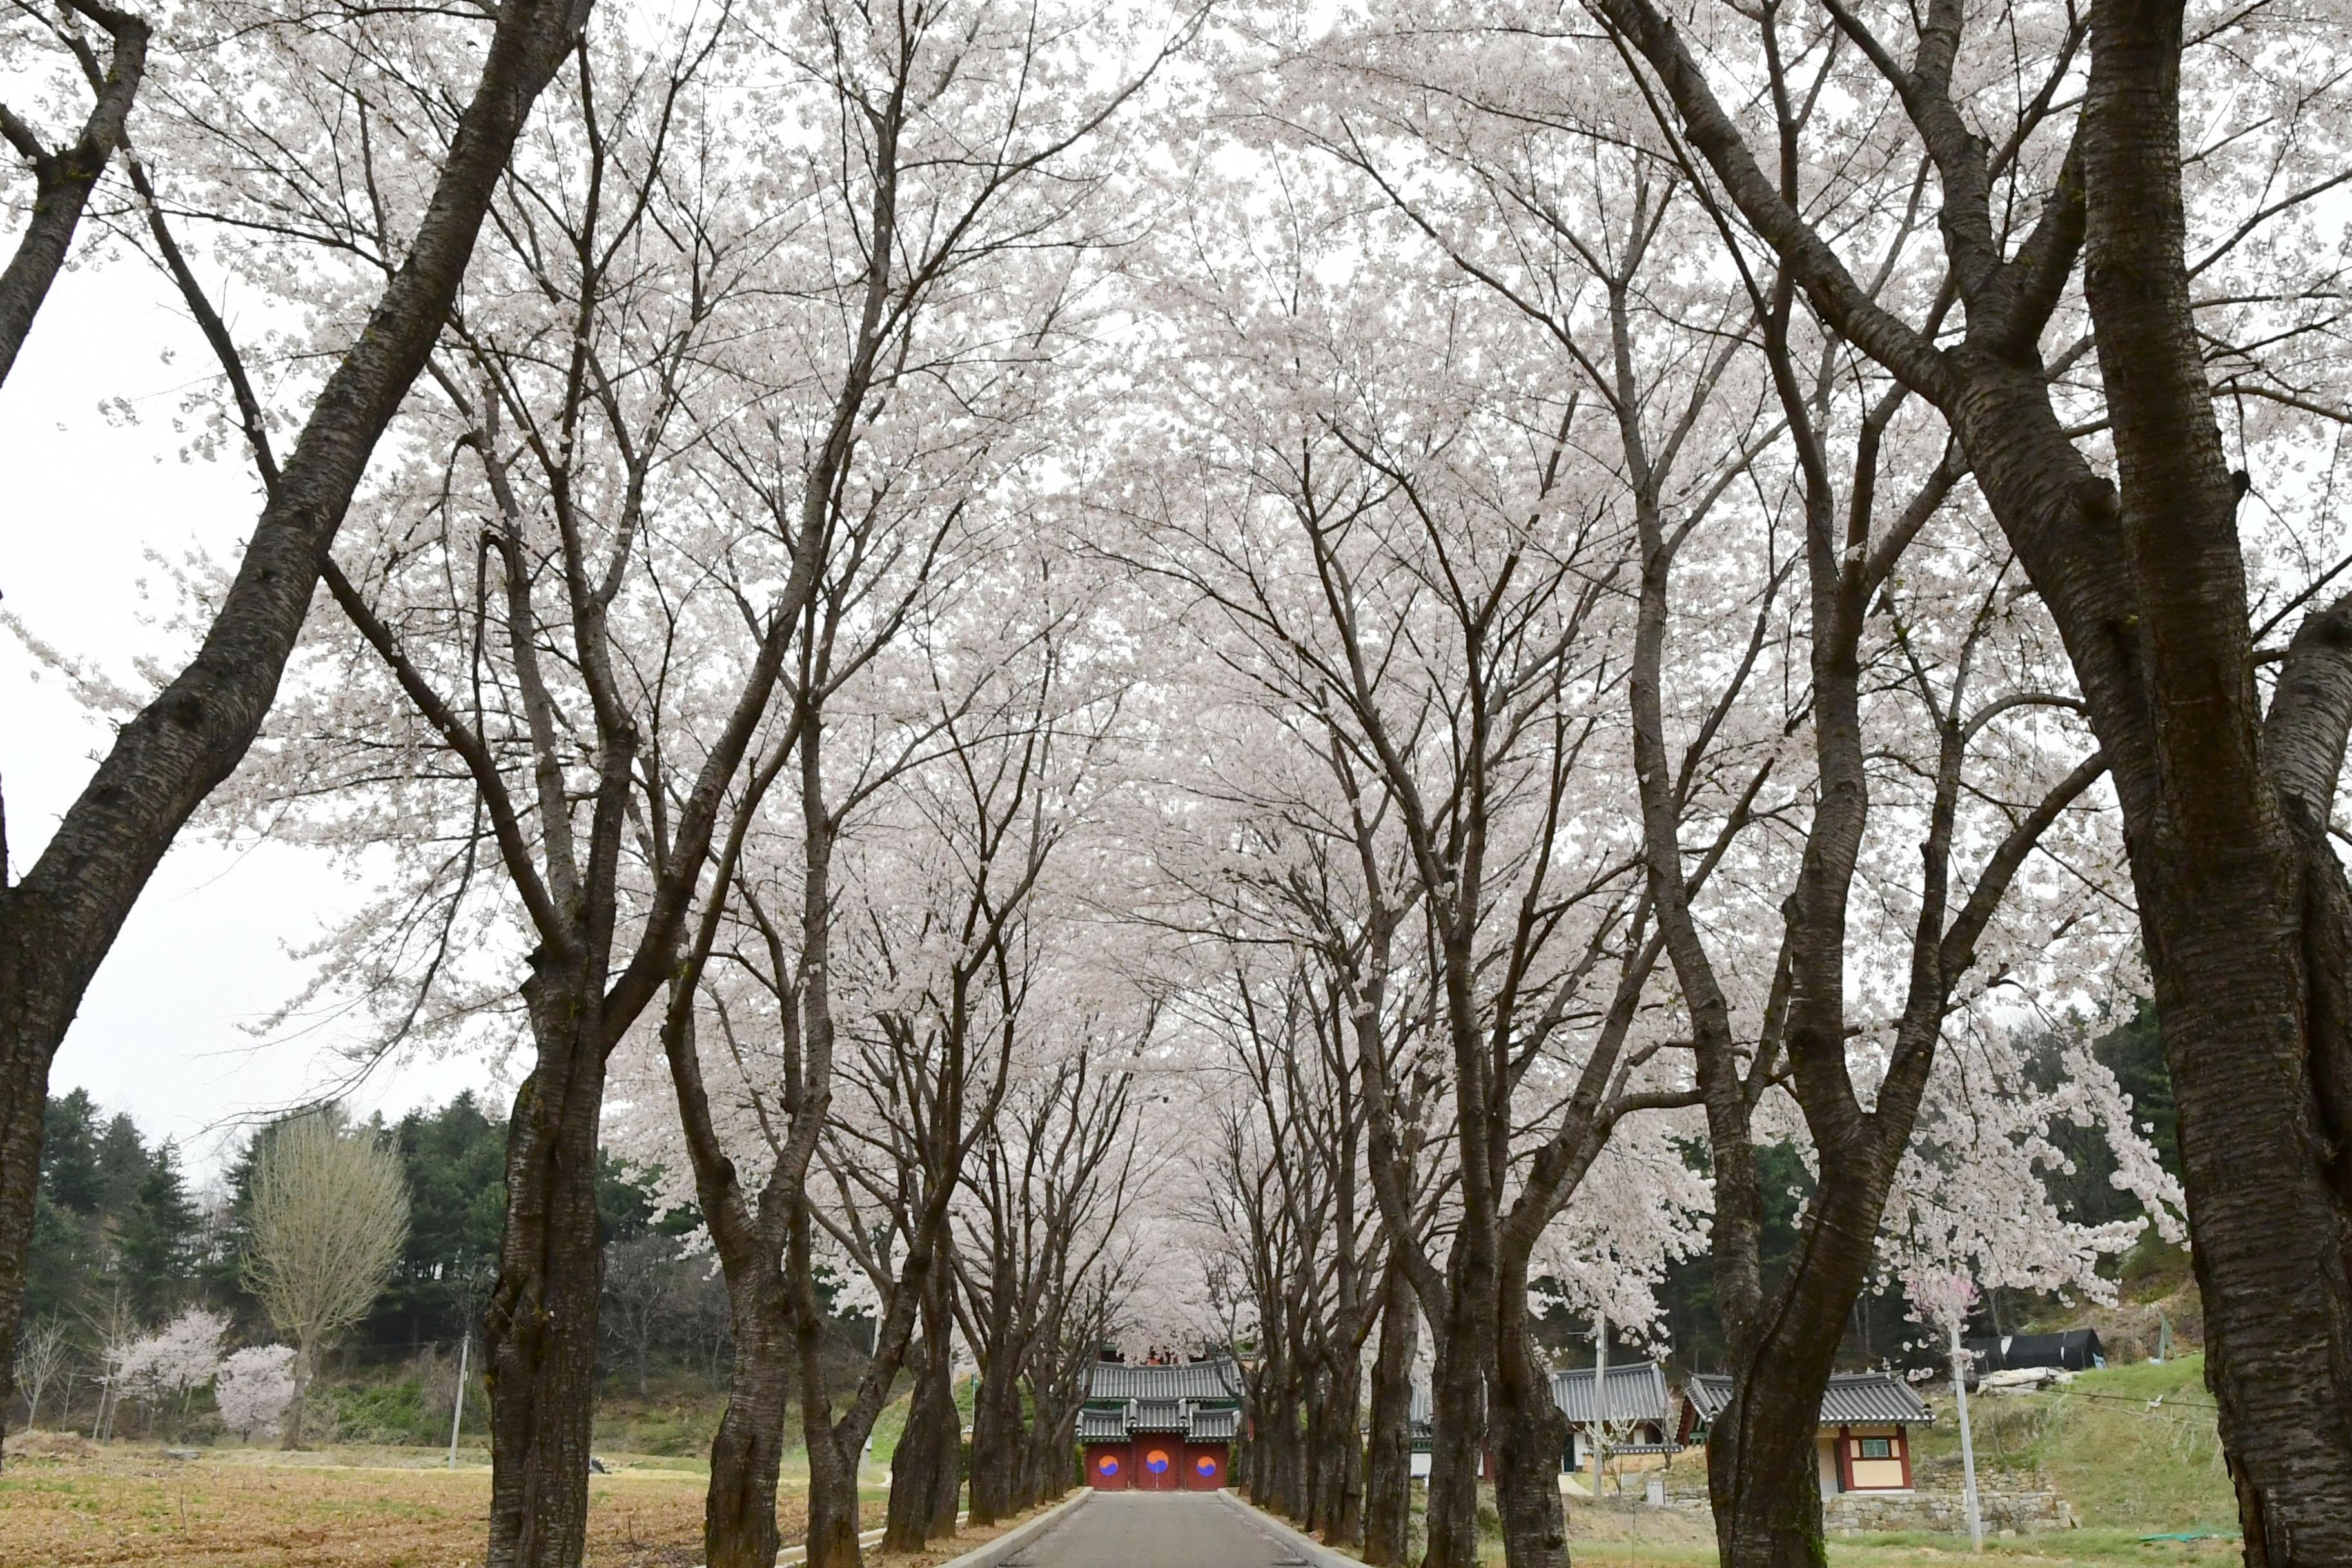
(1636, 1418)
(1161, 1426)
(1639, 1416)
(1864, 1427)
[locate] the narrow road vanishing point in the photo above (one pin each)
(1156, 1530)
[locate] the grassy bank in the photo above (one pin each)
(2134, 1448)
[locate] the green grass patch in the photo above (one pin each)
(2134, 1448)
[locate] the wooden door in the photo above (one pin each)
(1159, 1464)
(1204, 1466)
(1110, 1467)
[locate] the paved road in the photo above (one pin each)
(1155, 1529)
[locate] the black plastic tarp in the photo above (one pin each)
(2074, 1350)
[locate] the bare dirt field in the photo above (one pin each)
(66, 1503)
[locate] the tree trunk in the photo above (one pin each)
(1339, 1460)
(305, 1361)
(2146, 582)
(1528, 1433)
(997, 1438)
(738, 1511)
(925, 1470)
(1457, 1438)
(2245, 938)
(1763, 1473)
(1289, 1479)
(1388, 1460)
(540, 1331)
(1767, 1468)
(1050, 1459)
(1312, 1508)
(833, 1501)
(57, 923)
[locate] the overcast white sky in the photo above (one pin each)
(166, 1031)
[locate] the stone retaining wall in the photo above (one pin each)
(2004, 1513)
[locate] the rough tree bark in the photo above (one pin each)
(2243, 914)
(58, 923)
(1388, 1457)
(998, 1434)
(926, 1473)
(539, 1332)
(1458, 1436)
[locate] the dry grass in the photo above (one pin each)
(66, 1502)
(73, 1506)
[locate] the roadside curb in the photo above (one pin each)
(792, 1555)
(989, 1553)
(1308, 1549)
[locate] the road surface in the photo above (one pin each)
(1156, 1530)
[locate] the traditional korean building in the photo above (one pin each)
(1865, 1420)
(1160, 1427)
(1635, 1421)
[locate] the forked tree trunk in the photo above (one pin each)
(540, 1330)
(1763, 1472)
(738, 1511)
(1770, 1468)
(1388, 1459)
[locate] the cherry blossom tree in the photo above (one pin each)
(1045, 1238)
(1395, 547)
(167, 1367)
(2082, 149)
(1875, 694)
(59, 918)
(254, 1390)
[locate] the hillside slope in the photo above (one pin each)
(2132, 1447)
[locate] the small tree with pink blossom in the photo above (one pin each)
(165, 1370)
(254, 1389)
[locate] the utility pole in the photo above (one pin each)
(457, 1416)
(1967, 1445)
(1600, 1400)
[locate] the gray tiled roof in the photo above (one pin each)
(1851, 1399)
(1102, 1426)
(1216, 1426)
(1637, 1392)
(1155, 1415)
(1214, 1379)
